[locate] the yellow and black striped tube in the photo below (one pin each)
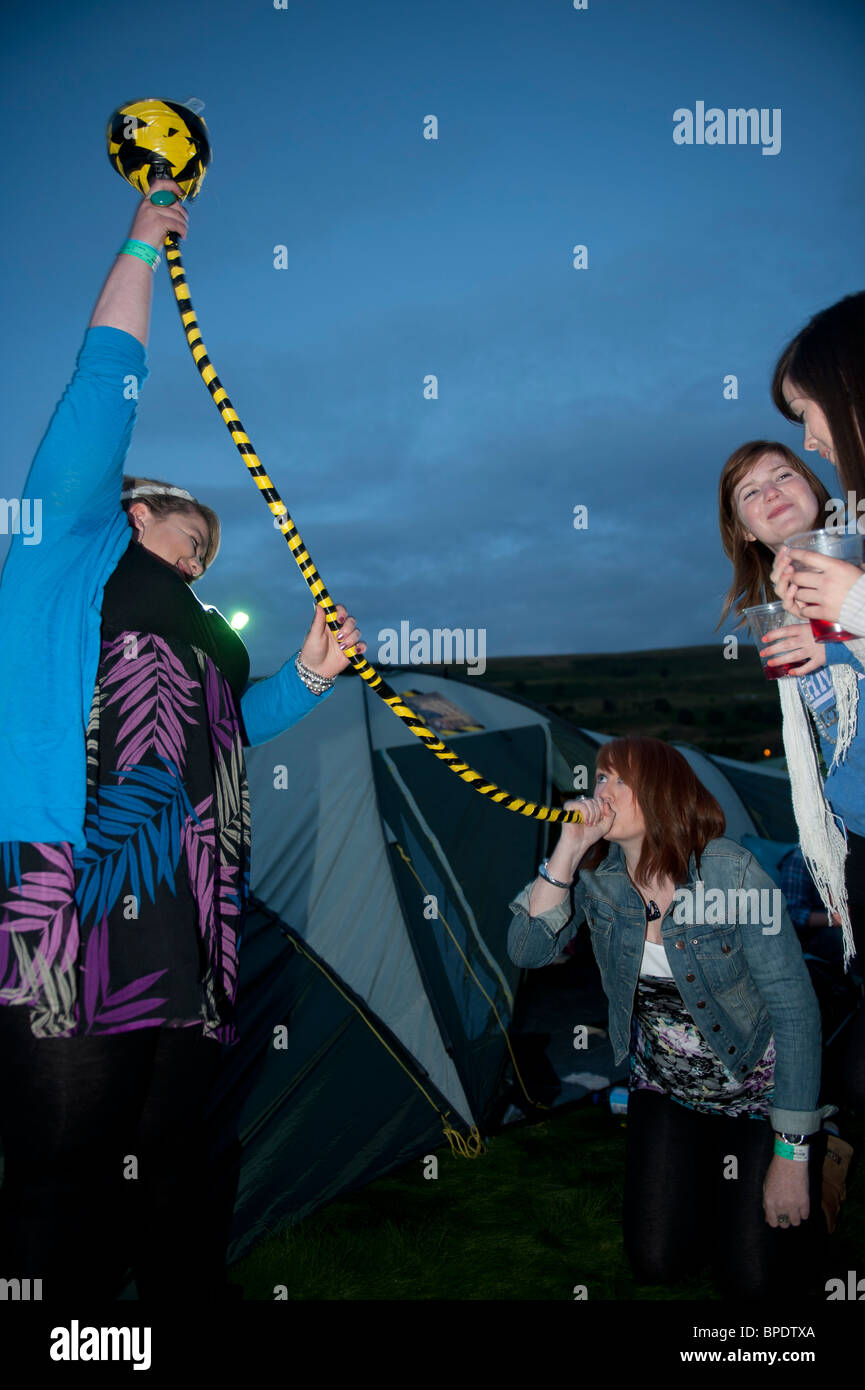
(259, 473)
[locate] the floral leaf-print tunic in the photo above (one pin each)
(669, 1054)
(140, 929)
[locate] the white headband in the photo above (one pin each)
(149, 490)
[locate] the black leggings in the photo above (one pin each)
(106, 1162)
(681, 1212)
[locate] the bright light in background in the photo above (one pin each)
(767, 752)
(239, 621)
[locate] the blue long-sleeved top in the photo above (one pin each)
(845, 785)
(51, 599)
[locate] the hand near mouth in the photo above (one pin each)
(597, 821)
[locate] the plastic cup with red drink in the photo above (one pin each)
(763, 618)
(840, 545)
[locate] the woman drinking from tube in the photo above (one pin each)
(712, 1003)
(124, 824)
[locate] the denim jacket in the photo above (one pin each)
(740, 971)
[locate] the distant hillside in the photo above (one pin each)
(690, 694)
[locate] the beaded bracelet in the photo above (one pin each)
(797, 1152)
(142, 250)
(311, 679)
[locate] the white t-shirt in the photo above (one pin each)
(655, 961)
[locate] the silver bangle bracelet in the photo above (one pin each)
(312, 680)
(547, 876)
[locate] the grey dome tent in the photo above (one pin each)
(375, 987)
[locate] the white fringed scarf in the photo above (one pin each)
(823, 844)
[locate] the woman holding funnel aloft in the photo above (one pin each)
(819, 382)
(767, 494)
(713, 1005)
(124, 836)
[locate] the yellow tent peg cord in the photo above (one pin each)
(538, 1105)
(472, 1147)
(263, 482)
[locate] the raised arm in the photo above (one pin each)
(79, 464)
(124, 301)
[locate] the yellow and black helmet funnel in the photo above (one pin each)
(155, 139)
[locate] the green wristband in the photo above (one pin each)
(142, 250)
(797, 1152)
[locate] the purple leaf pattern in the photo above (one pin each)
(141, 928)
(152, 689)
(218, 911)
(39, 931)
(121, 1007)
(232, 808)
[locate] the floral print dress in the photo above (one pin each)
(669, 1054)
(140, 928)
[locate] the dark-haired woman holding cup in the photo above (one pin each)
(819, 383)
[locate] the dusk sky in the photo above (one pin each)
(557, 387)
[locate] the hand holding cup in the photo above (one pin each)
(793, 644)
(819, 583)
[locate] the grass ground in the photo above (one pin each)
(535, 1216)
